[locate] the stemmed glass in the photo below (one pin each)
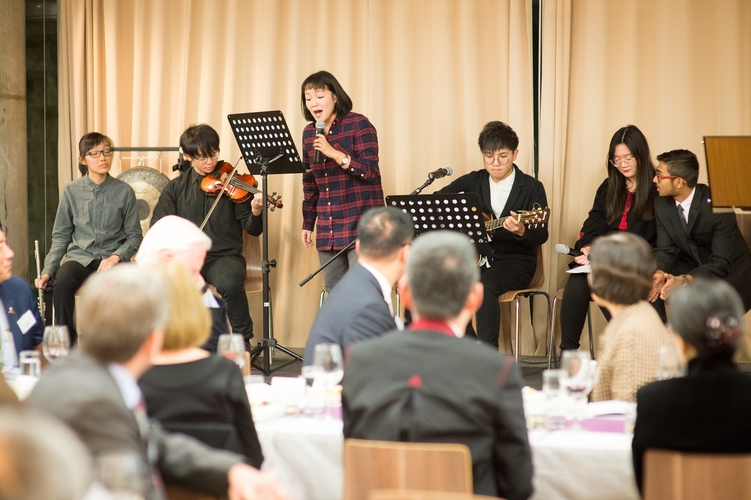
(328, 368)
(232, 347)
(56, 342)
(581, 374)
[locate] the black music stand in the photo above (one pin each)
(452, 212)
(264, 138)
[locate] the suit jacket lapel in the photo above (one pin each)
(694, 212)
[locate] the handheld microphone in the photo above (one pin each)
(441, 172)
(320, 126)
(566, 250)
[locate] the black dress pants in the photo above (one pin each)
(68, 279)
(501, 277)
(227, 274)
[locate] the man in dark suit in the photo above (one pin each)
(359, 306)
(18, 308)
(504, 189)
(692, 240)
(95, 390)
(429, 385)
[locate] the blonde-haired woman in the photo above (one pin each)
(190, 390)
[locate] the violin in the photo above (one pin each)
(241, 188)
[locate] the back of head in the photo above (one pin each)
(441, 271)
(383, 231)
(496, 136)
(708, 314)
(118, 309)
(682, 163)
(170, 235)
(622, 268)
(199, 140)
(189, 322)
(41, 459)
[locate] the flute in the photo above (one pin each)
(39, 276)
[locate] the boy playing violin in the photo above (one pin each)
(96, 227)
(224, 266)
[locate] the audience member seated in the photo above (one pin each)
(191, 391)
(173, 238)
(430, 385)
(708, 410)
(122, 312)
(359, 306)
(41, 459)
(621, 279)
(21, 327)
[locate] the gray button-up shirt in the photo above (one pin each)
(94, 222)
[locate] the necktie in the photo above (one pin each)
(682, 218)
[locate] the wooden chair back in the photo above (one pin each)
(672, 475)
(371, 465)
(424, 495)
(173, 492)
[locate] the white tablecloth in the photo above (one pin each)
(307, 455)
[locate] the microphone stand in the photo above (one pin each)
(427, 183)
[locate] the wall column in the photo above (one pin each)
(13, 166)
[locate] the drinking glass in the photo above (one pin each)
(579, 381)
(56, 342)
(30, 363)
(232, 346)
(122, 474)
(669, 364)
(328, 368)
(556, 398)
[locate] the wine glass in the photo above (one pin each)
(328, 368)
(579, 381)
(56, 342)
(232, 347)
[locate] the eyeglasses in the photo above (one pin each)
(660, 177)
(96, 154)
(626, 160)
(489, 159)
(205, 159)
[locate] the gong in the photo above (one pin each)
(148, 185)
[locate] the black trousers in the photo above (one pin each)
(501, 277)
(227, 274)
(575, 306)
(68, 279)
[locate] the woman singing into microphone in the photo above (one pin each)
(342, 179)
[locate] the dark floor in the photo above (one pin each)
(531, 366)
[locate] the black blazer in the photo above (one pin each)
(425, 386)
(721, 250)
(354, 311)
(525, 193)
(705, 412)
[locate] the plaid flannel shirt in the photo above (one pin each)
(335, 198)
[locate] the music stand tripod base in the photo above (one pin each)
(267, 148)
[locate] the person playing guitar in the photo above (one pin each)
(504, 190)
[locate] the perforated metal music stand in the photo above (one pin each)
(264, 138)
(452, 212)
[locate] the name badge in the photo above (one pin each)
(26, 321)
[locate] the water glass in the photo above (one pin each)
(328, 367)
(669, 364)
(232, 347)
(580, 380)
(122, 474)
(557, 400)
(56, 342)
(30, 363)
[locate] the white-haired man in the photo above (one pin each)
(178, 239)
(95, 391)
